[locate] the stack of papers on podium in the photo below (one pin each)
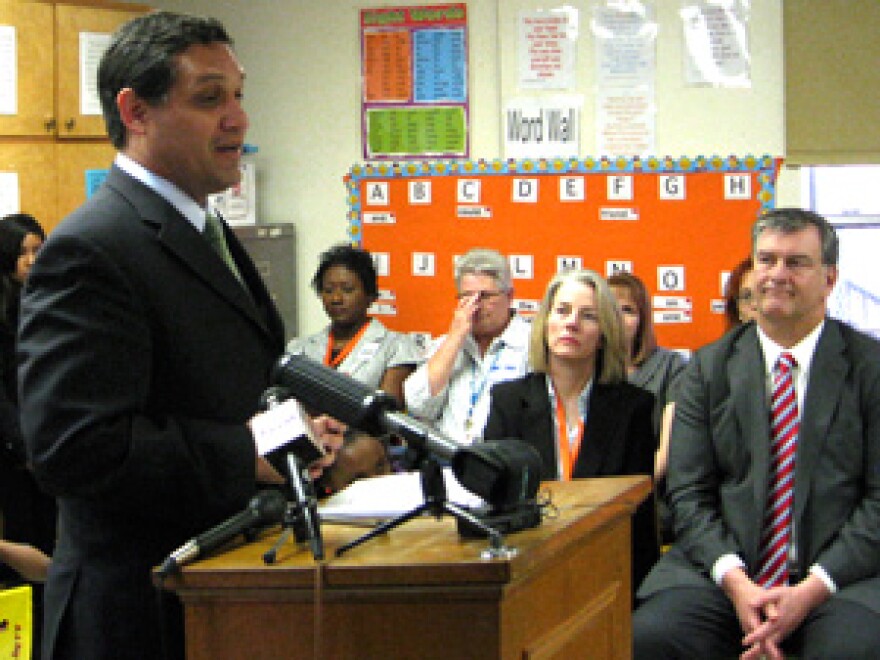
(390, 496)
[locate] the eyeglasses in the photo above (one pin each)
(480, 295)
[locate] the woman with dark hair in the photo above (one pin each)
(650, 366)
(28, 515)
(576, 407)
(739, 294)
(654, 368)
(354, 343)
(24, 507)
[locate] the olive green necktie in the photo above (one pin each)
(217, 240)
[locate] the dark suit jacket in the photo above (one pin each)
(617, 440)
(142, 357)
(719, 463)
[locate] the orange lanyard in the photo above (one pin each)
(568, 454)
(334, 362)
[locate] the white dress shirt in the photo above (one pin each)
(461, 409)
(803, 353)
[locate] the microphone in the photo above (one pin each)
(265, 508)
(306, 449)
(506, 473)
(273, 396)
(302, 515)
(325, 390)
(306, 526)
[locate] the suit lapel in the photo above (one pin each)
(826, 381)
(193, 251)
(746, 377)
(189, 248)
(257, 292)
(538, 423)
(601, 422)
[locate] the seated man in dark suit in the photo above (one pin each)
(774, 475)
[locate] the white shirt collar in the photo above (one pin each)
(516, 333)
(583, 397)
(185, 204)
(802, 351)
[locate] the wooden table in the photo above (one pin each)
(422, 592)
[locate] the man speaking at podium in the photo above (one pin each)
(147, 338)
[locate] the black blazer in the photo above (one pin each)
(618, 440)
(141, 359)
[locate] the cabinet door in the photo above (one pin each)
(34, 68)
(71, 22)
(34, 162)
(74, 159)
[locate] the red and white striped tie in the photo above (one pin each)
(784, 428)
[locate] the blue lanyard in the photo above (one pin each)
(478, 385)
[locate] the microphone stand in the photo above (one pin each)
(301, 516)
(436, 503)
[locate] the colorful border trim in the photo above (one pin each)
(767, 166)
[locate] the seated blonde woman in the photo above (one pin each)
(576, 407)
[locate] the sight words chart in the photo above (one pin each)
(414, 81)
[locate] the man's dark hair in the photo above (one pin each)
(357, 260)
(141, 56)
(790, 220)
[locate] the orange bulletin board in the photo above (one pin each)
(679, 224)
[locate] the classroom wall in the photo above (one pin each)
(302, 94)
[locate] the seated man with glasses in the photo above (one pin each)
(486, 343)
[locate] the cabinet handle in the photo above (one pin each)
(49, 124)
(70, 123)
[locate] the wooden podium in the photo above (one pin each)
(421, 591)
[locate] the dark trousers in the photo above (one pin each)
(695, 622)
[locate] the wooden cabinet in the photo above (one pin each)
(49, 142)
(35, 164)
(47, 38)
(35, 68)
(71, 22)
